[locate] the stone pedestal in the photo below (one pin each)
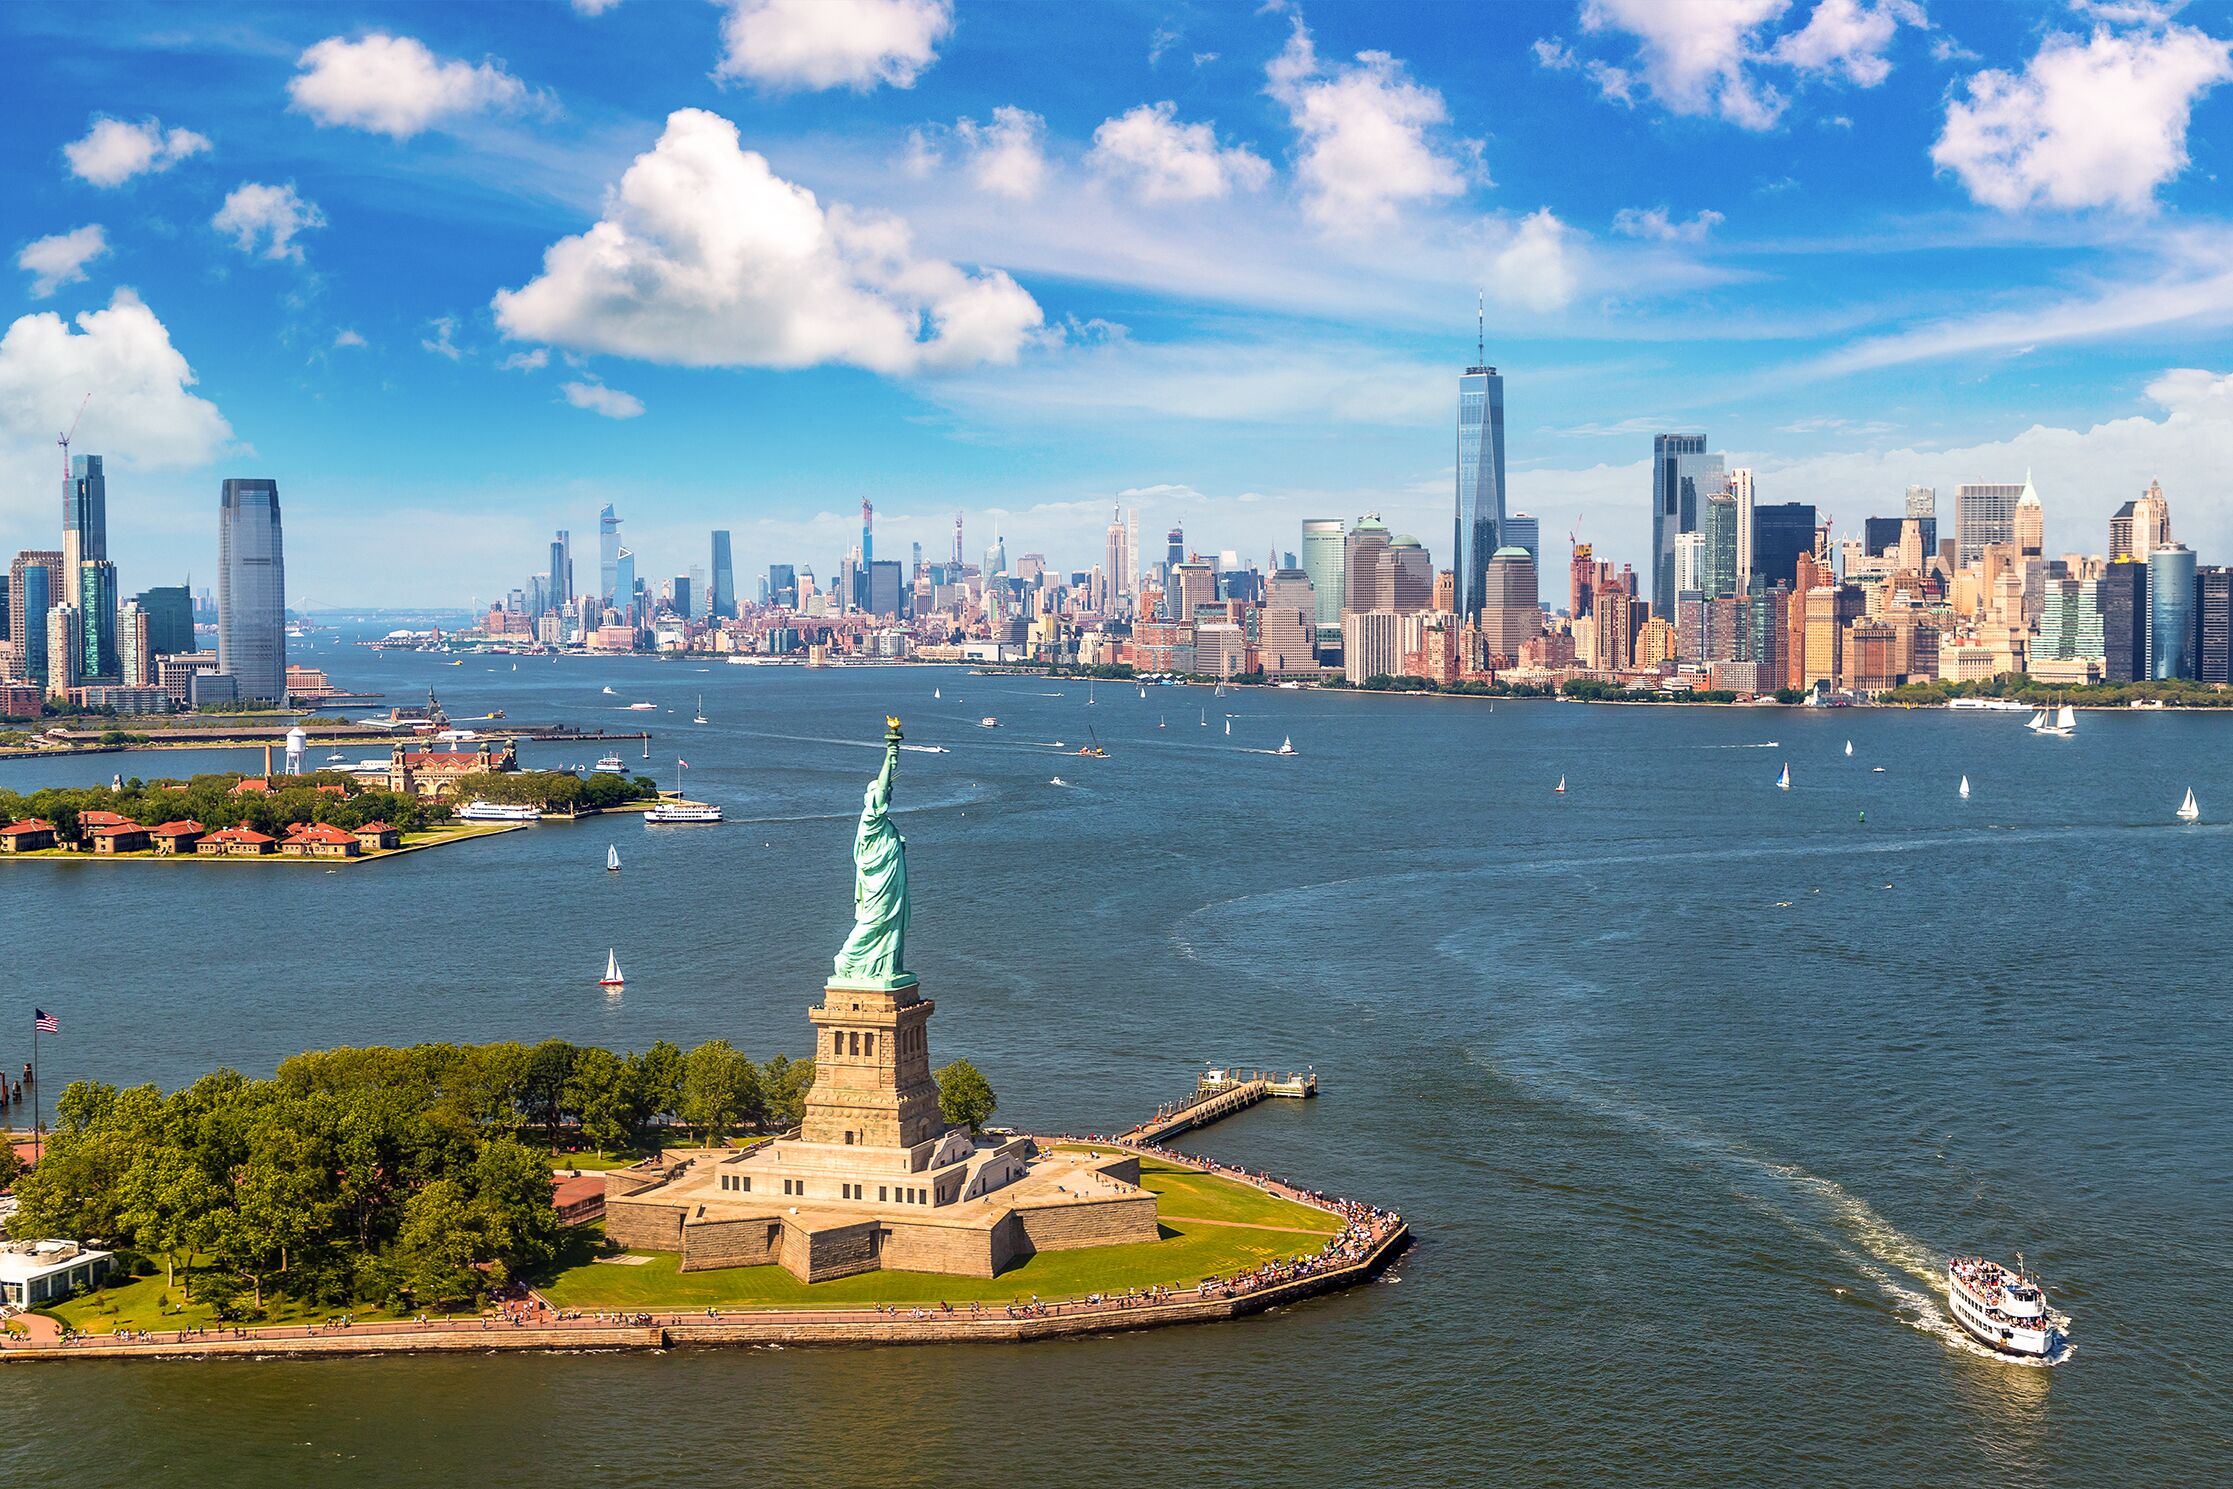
(872, 1082)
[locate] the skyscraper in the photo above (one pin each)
(783, 586)
(1740, 487)
(724, 577)
(1363, 577)
(561, 571)
(170, 619)
(2123, 594)
(1511, 615)
(85, 521)
(1480, 517)
(1174, 547)
(252, 591)
(1112, 557)
(2213, 625)
(608, 555)
(1922, 501)
(1409, 585)
(624, 581)
(34, 588)
(1682, 473)
(1322, 560)
(2029, 524)
(97, 602)
(1722, 516)
(1781, 532)
(2171, 612)
(1985, 513)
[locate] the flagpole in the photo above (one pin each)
(38, 1148)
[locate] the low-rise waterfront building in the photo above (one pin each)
(121, 836)
(318, 840)
(35, 1273)
(236, 842)
(173, 838)
(27, 836)
(376, 837)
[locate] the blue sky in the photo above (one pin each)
(457, 275)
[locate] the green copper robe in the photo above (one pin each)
(876, 950)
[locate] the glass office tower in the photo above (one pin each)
(2171, 612)
(251, 591)
(1480, 518)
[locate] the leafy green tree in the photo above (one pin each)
(432, 1264)
(658, 1072)
(964, 1095)
(543, 1084)
(601, 1092)
(517, 1224)
(719, 1089)
(784, 1083)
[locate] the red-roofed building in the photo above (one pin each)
(578, 1198)
(176, 837)
(319, 840)
(374, 836)
(87, 821)
(27, 836)
(253, 786)
(119, 836)
(236, 842)
(332, 789)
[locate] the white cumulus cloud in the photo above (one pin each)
(1162, 160)
(1656, 225)
(1367, 135)
(831, 43)
(140, 410)
(393, 85)
(1532, 269)
(1006, 157)
(1693, 57)
(266, 219)
(61, 259)
(1848, 38)
(599, 399)
(706, 258)
(2100, 122)
(593, 7)
(114, 151)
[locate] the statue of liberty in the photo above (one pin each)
(874, 954)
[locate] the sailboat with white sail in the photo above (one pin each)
(2188, 811)
(2061, 724)
(1849, 749)
(1783, 782)
(700, 717)
(612, 858)
(1560, 788)
(612, 977)
(1964, 791)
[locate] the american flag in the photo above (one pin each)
(44, 1022)
(682, 762)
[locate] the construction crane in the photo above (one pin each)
(64, 441)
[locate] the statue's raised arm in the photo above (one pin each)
(874, 953)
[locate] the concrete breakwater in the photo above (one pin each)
(1387, 1237)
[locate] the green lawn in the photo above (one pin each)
(145, 1303)
(1187, 1252)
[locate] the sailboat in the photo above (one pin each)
(937, 693)
(1560, 788)
(1089, 692)
(2061, 724)
(1228, 728)
(701, 715)
(1205, 718)
(1849, 749)
(1158, 718)
(1965, 788)
(1783, 782)
(647, 744)
(612, 977)
(612, 859)
(2188, 811)
(608, 692)
(1220, 691)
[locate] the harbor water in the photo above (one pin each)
(1688, 1085)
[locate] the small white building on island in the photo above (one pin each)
(35, 1273)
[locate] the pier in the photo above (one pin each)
(1218, 1093)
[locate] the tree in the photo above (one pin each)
(719, 1088)
(601, 1092)
(658, 1072)
(784, 1083)
(964, 1095)
(512, 1208)
(543, 1084)
(432, 1264)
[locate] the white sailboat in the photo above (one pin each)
(1089, 692)
(701, 715)
(1228, 728)
(2037, 721)
(1783, 782)
(1205, 718)
(612, 977)
(2066, 719)
(2188, 811)
(1560, 788)
(1849, 749)
(612, 859)
(937, 693)
(1965, 788)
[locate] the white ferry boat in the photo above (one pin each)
(610, 764)
(682, 811)
(499, 811)
(2004, 1309)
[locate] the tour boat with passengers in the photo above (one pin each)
(499, 811)
(2004, 1309)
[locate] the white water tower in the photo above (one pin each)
(296, 739)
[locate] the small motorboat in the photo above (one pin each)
(1286, 747)
(643, 708)
(612, 977)
(609, 692)
(988, 722)
(1058, 781)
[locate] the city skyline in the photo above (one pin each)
(341, 252)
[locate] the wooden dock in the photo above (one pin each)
(1218, 1093)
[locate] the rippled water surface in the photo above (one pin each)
(1688, 1084)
